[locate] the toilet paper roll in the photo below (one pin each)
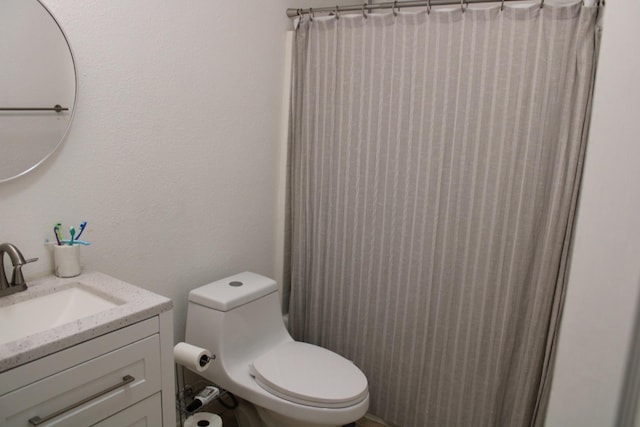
(203, 419)
(195, 358)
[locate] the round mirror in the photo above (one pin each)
(37, 86)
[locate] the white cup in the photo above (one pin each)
(66, 260)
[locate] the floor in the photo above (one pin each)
(365, 422)
(228, 420)
(231, 422)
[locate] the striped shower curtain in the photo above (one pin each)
(435, 162)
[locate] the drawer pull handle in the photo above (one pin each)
(36, 421)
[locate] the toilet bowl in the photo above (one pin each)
(281, 382)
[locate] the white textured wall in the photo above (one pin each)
(605, 271)
(172, 156)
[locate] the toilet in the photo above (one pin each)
(280, 382)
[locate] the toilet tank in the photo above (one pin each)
(237, 319)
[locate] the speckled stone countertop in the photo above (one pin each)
(134, 305)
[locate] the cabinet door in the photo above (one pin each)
(88, 392)
(147, 413)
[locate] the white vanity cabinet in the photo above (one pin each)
(122, 378)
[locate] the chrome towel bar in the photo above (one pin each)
(57, 108)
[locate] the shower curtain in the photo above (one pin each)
(435, 162)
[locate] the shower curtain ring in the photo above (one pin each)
(299, 12)
(541, 4)
(428, 7)
(336, 12)
(502, 5)
(311, 15)
(393, 8)
(364, 11)
(463, 5)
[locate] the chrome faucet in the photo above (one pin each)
(17, 283)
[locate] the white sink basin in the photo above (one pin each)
(43, 312)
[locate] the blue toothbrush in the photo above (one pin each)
(83, 224)
(75, 242)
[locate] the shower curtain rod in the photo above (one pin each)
(291, 13)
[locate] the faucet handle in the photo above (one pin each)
(17, 279)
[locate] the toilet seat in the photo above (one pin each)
(310, 375)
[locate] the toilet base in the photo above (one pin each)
(246, 415)
(274, 419)
(249, 415)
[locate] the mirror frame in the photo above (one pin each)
(72, 108)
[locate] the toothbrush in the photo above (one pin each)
(76, 242)
(66, 242)
(83, 224)
(55, 233)
(72, 232)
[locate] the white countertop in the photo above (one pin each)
(138, 304)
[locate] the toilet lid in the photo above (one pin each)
(310, 375)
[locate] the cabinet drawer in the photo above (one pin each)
(60, 393)
(147, 413)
